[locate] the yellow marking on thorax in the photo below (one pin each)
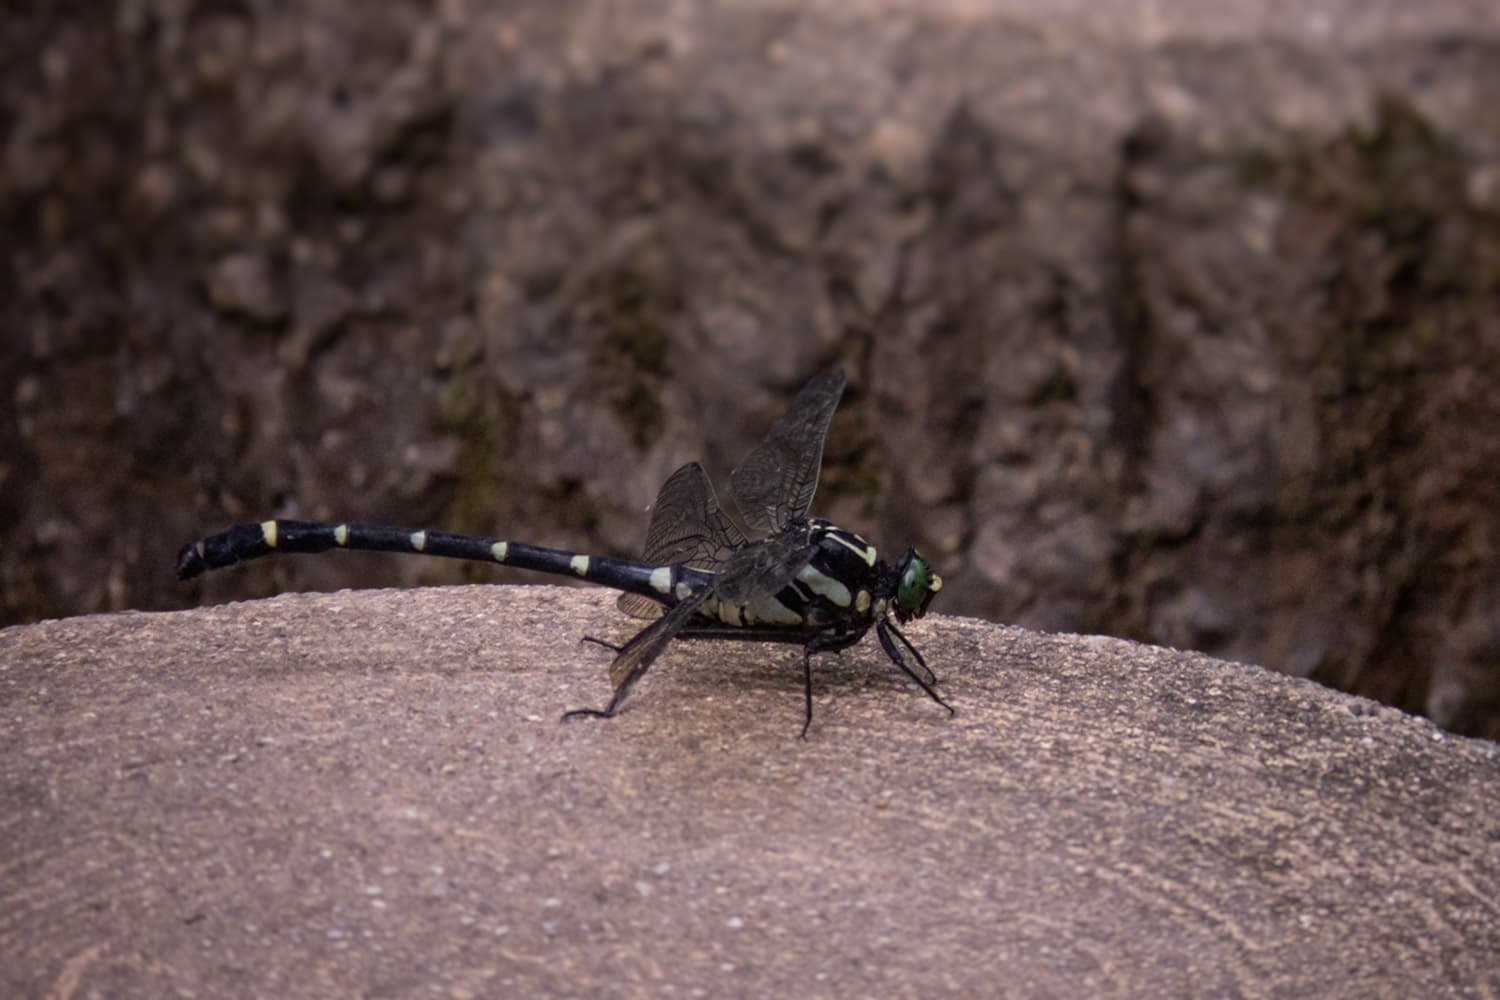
(661, 579)
(341, 534)
(867, 552)
(862, 601)
(766, 610)
(580, 565)
(268, 532)
(498, 550)
(824, 585)
(419, 540)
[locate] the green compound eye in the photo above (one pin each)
(917, 586)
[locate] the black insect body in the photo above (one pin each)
(803, 580)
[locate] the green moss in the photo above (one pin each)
(630, 359)
(1391, 269)
(1398, 175)
(1058, 387)
(1411, 260)
(483, 417)
(852, 463)
(1258, 168)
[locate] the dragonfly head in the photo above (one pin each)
(916, 583)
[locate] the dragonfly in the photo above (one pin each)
(783, 577)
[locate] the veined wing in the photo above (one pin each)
(637, 654)
(688, 527)
(775, 483)
(763, 568)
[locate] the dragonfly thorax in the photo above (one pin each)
(840, 586)
(843, 586)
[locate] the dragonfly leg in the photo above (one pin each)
(820, 644)
(607, 712)
(622, 688)
(931, 677)
(883, 630)
(636, 655)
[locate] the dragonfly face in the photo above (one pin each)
(915, 586)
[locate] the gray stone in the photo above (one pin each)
(371, 793)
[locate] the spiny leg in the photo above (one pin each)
(607, 712)
(883, 630)
(639, 653)
(820, 644)
(622, 689)
(707, 630)
(931, 677)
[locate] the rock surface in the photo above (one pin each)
(371, 794)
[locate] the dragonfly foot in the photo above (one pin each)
(594, 713)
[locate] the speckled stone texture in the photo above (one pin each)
(371, 794)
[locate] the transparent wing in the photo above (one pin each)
(775, 483)
(686, 526)
(763, 567)
(637, 654)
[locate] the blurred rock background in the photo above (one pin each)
(1174, 321)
